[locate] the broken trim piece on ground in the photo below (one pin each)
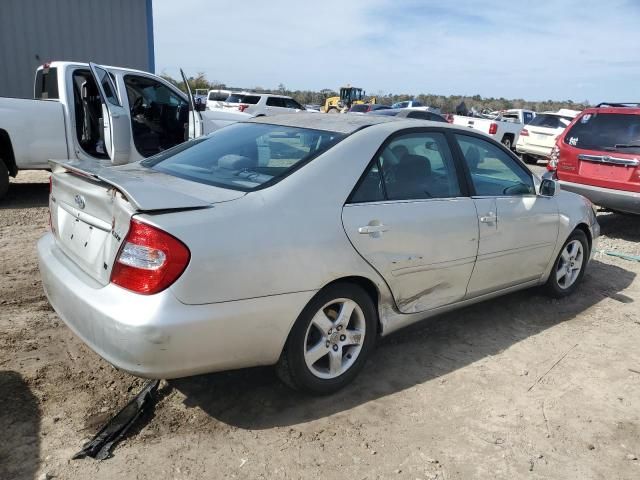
(99, 447)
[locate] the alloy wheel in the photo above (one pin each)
(570, 264)
(334, 338)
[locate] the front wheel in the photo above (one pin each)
(330, 341)
(569, 266)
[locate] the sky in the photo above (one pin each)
(537, 50)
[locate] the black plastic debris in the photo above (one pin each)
(100, 446)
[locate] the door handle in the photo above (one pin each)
(490, 218)
(373, 229)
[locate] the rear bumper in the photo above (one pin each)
(534, 150)
(157, 336)
(620, 200)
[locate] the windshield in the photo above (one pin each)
(606, 132)
(244, 156)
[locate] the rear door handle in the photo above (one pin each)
(373, 229)
(490, 218)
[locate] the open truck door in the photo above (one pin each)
(195, 119)
(116, 121)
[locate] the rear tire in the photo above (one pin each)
(507, 141)
(569, 267)
(4, 179)
(529, 160)
(330, 341)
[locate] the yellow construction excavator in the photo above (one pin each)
(348, 96)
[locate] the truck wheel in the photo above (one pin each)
(4, 179)
(507, 142)
(529, 160)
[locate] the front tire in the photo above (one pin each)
(569, 267)
(330, 341)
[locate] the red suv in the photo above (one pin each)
(598, 156)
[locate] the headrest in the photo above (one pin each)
(232, 161)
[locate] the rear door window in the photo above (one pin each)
(413, 166)
(251, 99)
(46, 85)
(275, 102)
(610, 132)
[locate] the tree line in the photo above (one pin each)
(446, 103)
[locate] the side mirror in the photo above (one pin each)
(548, 187)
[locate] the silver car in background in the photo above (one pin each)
(297, 240)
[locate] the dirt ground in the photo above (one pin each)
(473, 394)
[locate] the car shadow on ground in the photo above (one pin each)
(620, 226)
(255, 399)
(20, 426)
(26, 195)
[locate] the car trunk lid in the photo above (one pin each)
(91, 207)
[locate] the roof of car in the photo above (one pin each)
(341, 123)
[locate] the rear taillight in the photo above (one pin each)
(242, 107)
(524, 132)
(149, 260)
(553, 159)
(493, 129)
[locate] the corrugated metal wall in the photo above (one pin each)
(32, 32)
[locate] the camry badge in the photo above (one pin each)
(79, 199)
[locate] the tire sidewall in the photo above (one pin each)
(552, 283)
(294, 350)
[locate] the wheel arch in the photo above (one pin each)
(587, 231)
(6, 153)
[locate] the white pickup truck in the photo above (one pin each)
(503, 126)
(84, 111)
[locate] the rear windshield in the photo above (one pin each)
(46, 85)
(609, 132)
(234, 98)
(550, 121)
(244, 156)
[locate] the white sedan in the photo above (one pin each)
(298, 240)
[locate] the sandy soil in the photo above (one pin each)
(468, 395)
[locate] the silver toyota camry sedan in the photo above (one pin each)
(297, 241)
